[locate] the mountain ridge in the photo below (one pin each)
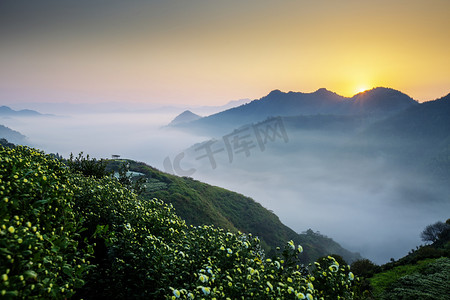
(381, 100)
(378, 102)
(7, 111)
(11, 135)
(184, 117)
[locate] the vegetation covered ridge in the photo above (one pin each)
(199, 203)
(64, 234)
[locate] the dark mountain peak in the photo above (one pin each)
(184, 117)
(380, 100)
(320, 95)
(445, 98)
(5, 110)
(327, 94)
(275, 93)
(324, 91)
(380, 91)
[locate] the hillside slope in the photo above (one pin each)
(12, 135)
(186, 116)
(6, 111)
(419, 136)
(199, 203)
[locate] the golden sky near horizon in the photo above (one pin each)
(210, 52)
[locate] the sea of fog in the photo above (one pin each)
(361, 203)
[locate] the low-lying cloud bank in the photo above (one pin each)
(311, 180)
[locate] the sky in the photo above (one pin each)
(203, 52)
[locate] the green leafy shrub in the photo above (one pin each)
(87, 166)
(334, 278)
(364, 268)
(40, 251)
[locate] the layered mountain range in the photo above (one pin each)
(378, 102)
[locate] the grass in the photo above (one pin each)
(383, 280)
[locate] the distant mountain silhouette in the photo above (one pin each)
(184, 117)
(378, 101)
(420, 133)
(207, 110)
(7, 111)
(425, 120)
(12, 136)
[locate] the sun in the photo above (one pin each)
(361, 88)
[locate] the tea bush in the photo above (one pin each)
(429, 279)
(66, 235)
(40, 251)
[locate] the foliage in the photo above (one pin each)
(334, 278)
(88, 167)
(432, 232)
(102, 167)
(427, 280)
(4, 142)
(137, 186)
(41, 255)
(382, 280)
(140, 248)
(364, 267)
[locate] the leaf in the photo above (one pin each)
(79, 283)
(5, 251)
(30, 274)
(40, 202)
(68, 270)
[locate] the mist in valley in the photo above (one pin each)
(138, 136)
(363, 204)
(321, 180)
(330, 182)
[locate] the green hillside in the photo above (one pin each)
(426, 279)
(199, 203)
(66, 234)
